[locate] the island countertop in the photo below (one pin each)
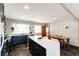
(45, 42)
(52, 46)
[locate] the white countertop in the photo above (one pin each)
(52, 46)
(45, 42)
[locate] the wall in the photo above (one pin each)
(78, 33)
(1, 26)
(10, 21)
(1, 9)
(8, 25)
(59, 28)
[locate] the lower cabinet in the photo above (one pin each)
(36, 49)
(15, 40)
(5, 49)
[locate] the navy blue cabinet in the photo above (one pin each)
(36, 49)
(18, 39)
(15, 40)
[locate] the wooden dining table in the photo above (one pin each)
(62, 39)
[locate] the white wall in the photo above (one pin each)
(10, 21)
(8, 27)
(1, 26)
(58, 28)
(0, 31)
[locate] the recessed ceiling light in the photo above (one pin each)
(55, 18)
(22, 17)
(26, 7)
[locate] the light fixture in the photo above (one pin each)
(22, 17)
(55, 18)
(26, 7)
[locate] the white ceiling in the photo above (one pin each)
(37, 12)
(74, 8)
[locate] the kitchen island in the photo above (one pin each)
(44, 46)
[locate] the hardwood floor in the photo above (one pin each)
(20, 50)
(71, 51)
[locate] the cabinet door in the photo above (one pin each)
(32, 47)
(36, 49)
(42, 51)
(39, 50)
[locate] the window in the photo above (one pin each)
(37, 29)
(47, 29)
(20, 28)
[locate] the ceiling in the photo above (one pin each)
(73, 8)
(39, 12)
